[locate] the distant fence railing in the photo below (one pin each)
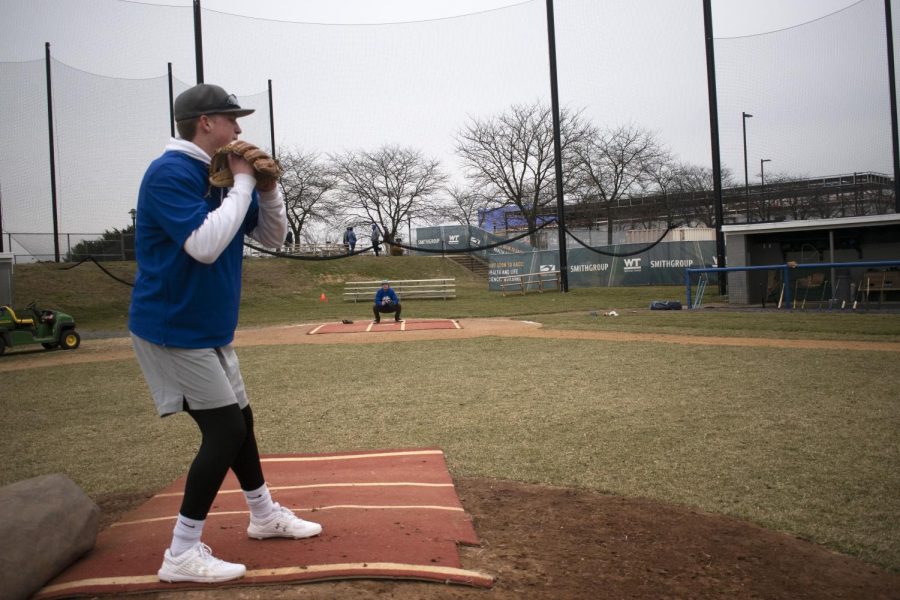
(112, 246)
(39, 247)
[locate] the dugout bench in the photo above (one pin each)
(880, 282)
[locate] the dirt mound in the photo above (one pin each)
(565, 544)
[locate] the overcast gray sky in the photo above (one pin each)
(355, 74)
(731, 17)
(27, 28)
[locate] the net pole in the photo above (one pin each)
(892, 84)
(557, 151)
(271, 120)
(714, 137)
(171, 102)
(198, 41)
(52, 153)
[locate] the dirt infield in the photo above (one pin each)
(559, 543)
(552, 543)
(116, 348)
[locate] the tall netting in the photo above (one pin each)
(115, 38)
(24, 185)
(637, 70)
(632, 76)
(639, 64)
(107, 131)
(337, 89)
(818, 93)
(344, 88)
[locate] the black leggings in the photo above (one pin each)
(228, 442)
(386, 308)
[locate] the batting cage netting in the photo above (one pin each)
(445, 96)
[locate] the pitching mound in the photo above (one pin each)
(385, 514)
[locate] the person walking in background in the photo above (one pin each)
(349, 240)
(386, 301)
(189, 252)
(376, 239)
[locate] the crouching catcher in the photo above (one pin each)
(386, 301)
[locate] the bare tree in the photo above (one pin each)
(510, 156)
(796, 205)
(464, 205)
(770, 203)
(878, 202)
(696, 185)
(388, 186)
(612, 164)
(664, 180)
(306, 184)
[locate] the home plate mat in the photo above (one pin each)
(387, 324)
(390, 514)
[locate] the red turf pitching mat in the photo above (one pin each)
(386, 324)
(386, 514)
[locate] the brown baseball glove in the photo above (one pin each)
(266, 167)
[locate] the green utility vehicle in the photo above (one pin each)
(49, 328)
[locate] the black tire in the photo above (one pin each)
(2, 345)
(49, 345)
(69, 340)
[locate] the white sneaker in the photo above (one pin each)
(283, 523)
(198, 564)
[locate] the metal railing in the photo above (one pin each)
(31, 247)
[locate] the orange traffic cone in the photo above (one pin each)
(322, 298)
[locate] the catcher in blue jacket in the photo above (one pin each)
(386, 301)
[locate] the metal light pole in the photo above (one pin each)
(762, 171)
(746, 178)
(133, 213)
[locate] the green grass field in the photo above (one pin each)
(802, 441)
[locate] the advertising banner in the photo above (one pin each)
(664, 264)
(453, 238)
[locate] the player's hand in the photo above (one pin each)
(239, 165)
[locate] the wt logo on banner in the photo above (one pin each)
(548, 268)
(632, 265)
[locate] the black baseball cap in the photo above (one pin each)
(207, 99)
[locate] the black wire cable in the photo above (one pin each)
(621, 254)
(102, 268)
(404, 246)
(465, 250)
(470, 248)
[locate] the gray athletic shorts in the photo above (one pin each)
(205, 377)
